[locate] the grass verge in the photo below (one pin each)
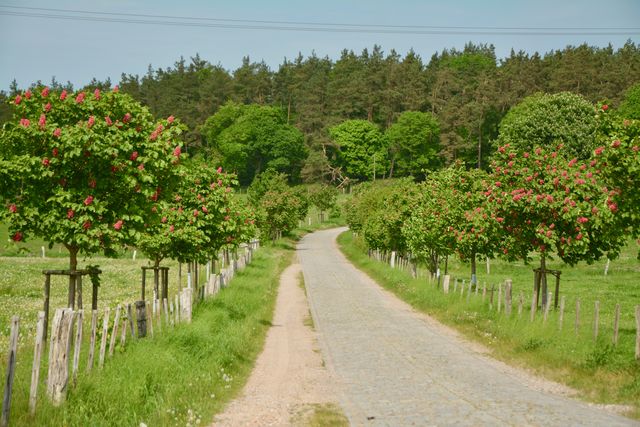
(184, 375)
(601, 372)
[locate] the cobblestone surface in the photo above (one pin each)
(397, 367)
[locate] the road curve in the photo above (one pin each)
(397, 367)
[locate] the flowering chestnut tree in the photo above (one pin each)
(548, 203)
(202, 217)
(84, 169)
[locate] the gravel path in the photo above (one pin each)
(397, 367)
(289, 376)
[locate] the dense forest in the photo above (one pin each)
(468, 91)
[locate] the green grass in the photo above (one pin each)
(320, 415)
(600, 372)
(183, 375)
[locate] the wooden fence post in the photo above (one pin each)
(165, 308)
(141, 317)
(77, 345)
(11, 369)
(35, 367)
(132, 330)
(123, 333)
(616, 322)
(185, 305)
(445, 283)
(499, 297)
(547, 307)
(534, 305)
(561, 318)
(92, 342)
(103, 341)
(176, 313)
(58, 376)
(149, 314)
(508, 296)
(114, 331)
(484, 291)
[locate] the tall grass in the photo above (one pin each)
(182, 376)
(601, 372)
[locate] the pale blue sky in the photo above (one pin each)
(39, 48)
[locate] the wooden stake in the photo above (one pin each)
(35, 367)
(11, 369)
(165, 308)
(103, 341)
(547, 307)
(149, 318)
(534, 305)
(114, 331)
(616, 322)
(508, 291)
(520, 304)
(123, 335)
(77, 345)
(92, 342)
(141, 317)
(484, 291)
(499, 297)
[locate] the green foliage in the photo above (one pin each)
(630, 106)
(544, 120)
(202, 217)
(324, 197)
(361, 149)
(618, 159)
(254, 138)
(84, 169)
(413, 144)
(545, 202)
(269, 180)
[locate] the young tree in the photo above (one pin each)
(84, 169)
(545, 202)
(323, 197)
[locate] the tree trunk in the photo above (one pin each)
(73, 266)
(474, 279)
(543, 280)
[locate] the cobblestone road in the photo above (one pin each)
(398, 368)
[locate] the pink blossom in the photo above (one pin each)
(613, 207)
(580, 181)
(171, 228)
(219, 170)
(70, 214)
(205, 210)
(499, 219)
(45, 161)
(599, 151)
(582, 219)
(107, 119)
(80, 98)
(616, 143)
(141, 166)
(54, 152)
(134, 156)
(17, 237)
(116, 88)
(42, 121)
(153, 136)
(177, 151)
(594, 210)
(227, 218)
(525, 155)
(88, 200)
(549, 198)
(498, 183)
(45, 92)
(25, 122)
(27, 94)
(47, 107)
(579, 236)
(196, 212)
(91, 121)
(118, 224)
(164, 219)
(63, 95)
(605, 107)
(57, 132)
(572, 162)
(18, 100)
(170, 119)
(126, 118)
(13, 208)
(86, 225)
(96, 93)
(92, 183)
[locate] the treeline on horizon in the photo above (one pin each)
(469, 91)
